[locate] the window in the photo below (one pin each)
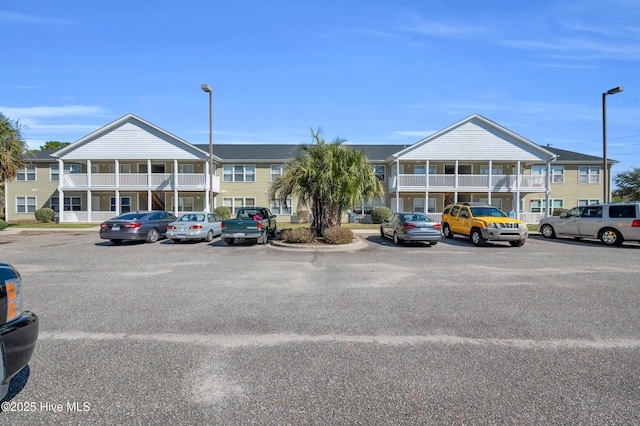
(125, 204)
(25, 204)
(623, 211)
(54, 170)
(587, 201)
(276, 172)
(278, 207)
(379, 171)
(495, 170)
(185, 168)
(234, 203)
(418, 205)
(419, 170)
(589, 174)
(27, 173)
(186, 204)
(239, 173)
(538, 170)
(557, 174)
(70, 204)
(538, 205)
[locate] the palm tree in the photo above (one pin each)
(328, 178)
(12, 148)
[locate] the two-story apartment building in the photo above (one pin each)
(131, 164)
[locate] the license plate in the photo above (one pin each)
(180, 235)
(115, 228)
(238, 235)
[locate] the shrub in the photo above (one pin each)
(44, 214)
(3, 224)
(380, 213)
(297, 235)
(223, 211)
(558, 212)
(337, 235)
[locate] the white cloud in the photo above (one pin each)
(31, 19)
(56, 111)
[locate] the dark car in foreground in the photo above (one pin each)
(18, 328)
(402, 227)
(147, 226)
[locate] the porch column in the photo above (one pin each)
(149, 183)
(456, 180)
(517, 206)
(175, 187)
(490, 178)
(60, 191)
(426, 176)
(117, 196)
(397, 185)
(89, 205)
(547, 189)
(149, 203)
(518, 175)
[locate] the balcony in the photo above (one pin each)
(469, 183)
(137, 181)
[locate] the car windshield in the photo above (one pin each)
(415, 218)
(191, 218)
(487, 211)
(131, 216)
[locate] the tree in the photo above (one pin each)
(628, 185)
(327, 178)
(53, 145)
(12, 148)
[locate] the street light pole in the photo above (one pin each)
(207, 89)
(605, 168)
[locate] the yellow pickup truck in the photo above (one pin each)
(481, 223)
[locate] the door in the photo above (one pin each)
(569, 225)
(463, 222)
(590, 221)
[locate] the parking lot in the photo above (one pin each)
(199, 333)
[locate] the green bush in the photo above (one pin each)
(558, 212)
(3, 224)
(337, 235)
(380, 213)
(44, 215)
(223, 211)
(297, 235)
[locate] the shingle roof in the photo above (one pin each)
(571, 156)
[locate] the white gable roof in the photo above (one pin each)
(130, 138)
(475, 138)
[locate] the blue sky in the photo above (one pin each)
(367, 71)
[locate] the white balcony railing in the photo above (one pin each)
(139, 181)
(495, 183)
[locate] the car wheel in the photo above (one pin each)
(396, 240)
(477, 238)
(209, 236)
(153, 236)
(230, 241)
(272, 233)
(547, 231)
(611, 237)
(518, 243)
(116, 242)
(447, 231)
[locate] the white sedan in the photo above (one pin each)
(202, 226)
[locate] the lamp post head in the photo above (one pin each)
(615, 90)
(205, 88)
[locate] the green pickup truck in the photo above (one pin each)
(251, 223)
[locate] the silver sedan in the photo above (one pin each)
(403, 227)
(201, 226)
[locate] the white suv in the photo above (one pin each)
(611, 223)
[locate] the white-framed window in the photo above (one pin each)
(25, 204)
(142, 168)
(380, 172)
(186, 204)
(587, 201)
(275, 172)
(419, 169)
(27, 173)
(589, 174)
(495, 170)
(557, 174)
(124, 168)
(433, 169)
(234, 203)
(418, 205)
(538, 170)
(125, 204)
(239, 173)
(495, 201)
(54, 170)
(186, 168)
(539, 205)
(278, 207)
(71, 203)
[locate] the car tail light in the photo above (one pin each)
(259, 226)
(132, 225)
(436, 226)
(635, 223)
(171, 227)
(103, 226)
(408, 226)
(221, 225)
(14, 298)
(195, 227)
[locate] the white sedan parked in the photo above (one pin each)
(195, 226)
